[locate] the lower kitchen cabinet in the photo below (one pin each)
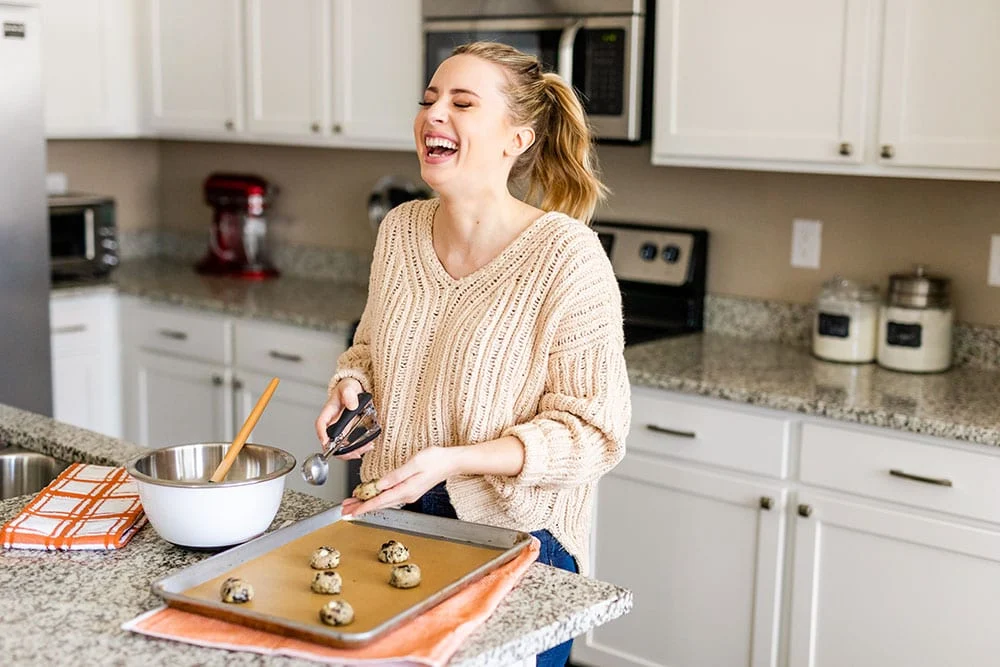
(288, 423)
(172, 401)
(702, 552)
(85, 362)
(874, 587)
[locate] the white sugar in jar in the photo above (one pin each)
(915, 330)
(845, 327)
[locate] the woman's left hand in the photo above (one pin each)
(408, 482)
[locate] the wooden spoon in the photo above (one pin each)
(241, 437)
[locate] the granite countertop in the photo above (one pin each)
(960, 404)
(67, 607)
(323, 305)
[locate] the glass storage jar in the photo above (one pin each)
(916, 323)
(846, 324)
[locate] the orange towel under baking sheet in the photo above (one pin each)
(85, 507)
(429, 639)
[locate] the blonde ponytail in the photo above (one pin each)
(560, 168)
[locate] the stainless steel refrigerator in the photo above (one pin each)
(25, 364)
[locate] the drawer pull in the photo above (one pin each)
(174, 335)
(71, 329)
(669, 431)
(805, 510)
(766, 502)
(217, 380)
(938, 481)
(284, 356)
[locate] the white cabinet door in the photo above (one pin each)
(88, 61)
(377, 76)
(768, 80)
(940, 101)
(195, 66)
(173, 401)
(875, 587)
(703, 553)
(85, 362)
(287, 423)
(287, 68)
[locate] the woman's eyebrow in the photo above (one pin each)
(453, 91)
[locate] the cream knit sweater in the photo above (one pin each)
(529, 345)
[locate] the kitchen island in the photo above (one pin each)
(67, 607)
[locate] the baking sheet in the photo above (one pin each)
(451, 555)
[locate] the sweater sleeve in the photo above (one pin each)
(578, 433)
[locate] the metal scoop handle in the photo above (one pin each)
(334, 430)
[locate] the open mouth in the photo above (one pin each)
(440, 147)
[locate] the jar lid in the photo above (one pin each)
(919, 289)
(845, 289)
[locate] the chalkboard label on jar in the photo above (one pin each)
(903, 335)
(834, 325)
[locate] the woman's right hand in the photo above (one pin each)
(344, 395)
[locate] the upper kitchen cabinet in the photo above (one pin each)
(940, 88)
(867, 87)
(194, 67)
(377, 76)
(88, 60)
(287, 73)
(317, 72)
(769, 80)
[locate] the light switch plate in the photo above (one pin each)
(993, 277)
(807, 240)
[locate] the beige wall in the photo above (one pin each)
(128, 170)
(871, 226)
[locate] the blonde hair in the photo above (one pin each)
(560, 167)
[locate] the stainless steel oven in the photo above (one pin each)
(600, 46)
(83, 236)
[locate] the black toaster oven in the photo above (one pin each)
(83, 236)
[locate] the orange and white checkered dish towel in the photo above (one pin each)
(85, 507)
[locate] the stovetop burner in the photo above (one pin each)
(661, 272)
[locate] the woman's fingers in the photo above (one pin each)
(357, 453)
(327, 415)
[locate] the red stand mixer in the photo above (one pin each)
(237, 242)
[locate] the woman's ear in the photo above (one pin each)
(520, 141)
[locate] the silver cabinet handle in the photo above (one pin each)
(846, 148)
(217, 380)
(71, 329)
(805, 510)
(284, 356)
(939, 481)
(670, 431)
(173, 334)
(766, 502)
(888, 151)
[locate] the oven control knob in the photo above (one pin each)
(671, 254)
(110, 260)
(648, 251)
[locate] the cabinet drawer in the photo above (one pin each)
(287, 352)
(900, 470)
(179, 331)
(77, 323)
(719, 436)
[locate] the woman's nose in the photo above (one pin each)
(436, 113)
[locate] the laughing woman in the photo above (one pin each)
(492, 337)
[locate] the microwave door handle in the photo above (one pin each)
(88, 232)
(566, 43)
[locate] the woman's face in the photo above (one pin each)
(464, 137)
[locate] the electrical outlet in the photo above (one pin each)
(807, 239)
(993, 278)
(56, 183)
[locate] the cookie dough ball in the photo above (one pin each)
(405, 576)
(326, 582)
(235, 590)
(393, 552)
(365, 491)
(336, 612)
(325, 558)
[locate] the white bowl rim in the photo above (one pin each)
(286, 467)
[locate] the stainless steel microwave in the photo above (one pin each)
(601, 46)
(83, 236)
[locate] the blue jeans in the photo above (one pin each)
(437, 502)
